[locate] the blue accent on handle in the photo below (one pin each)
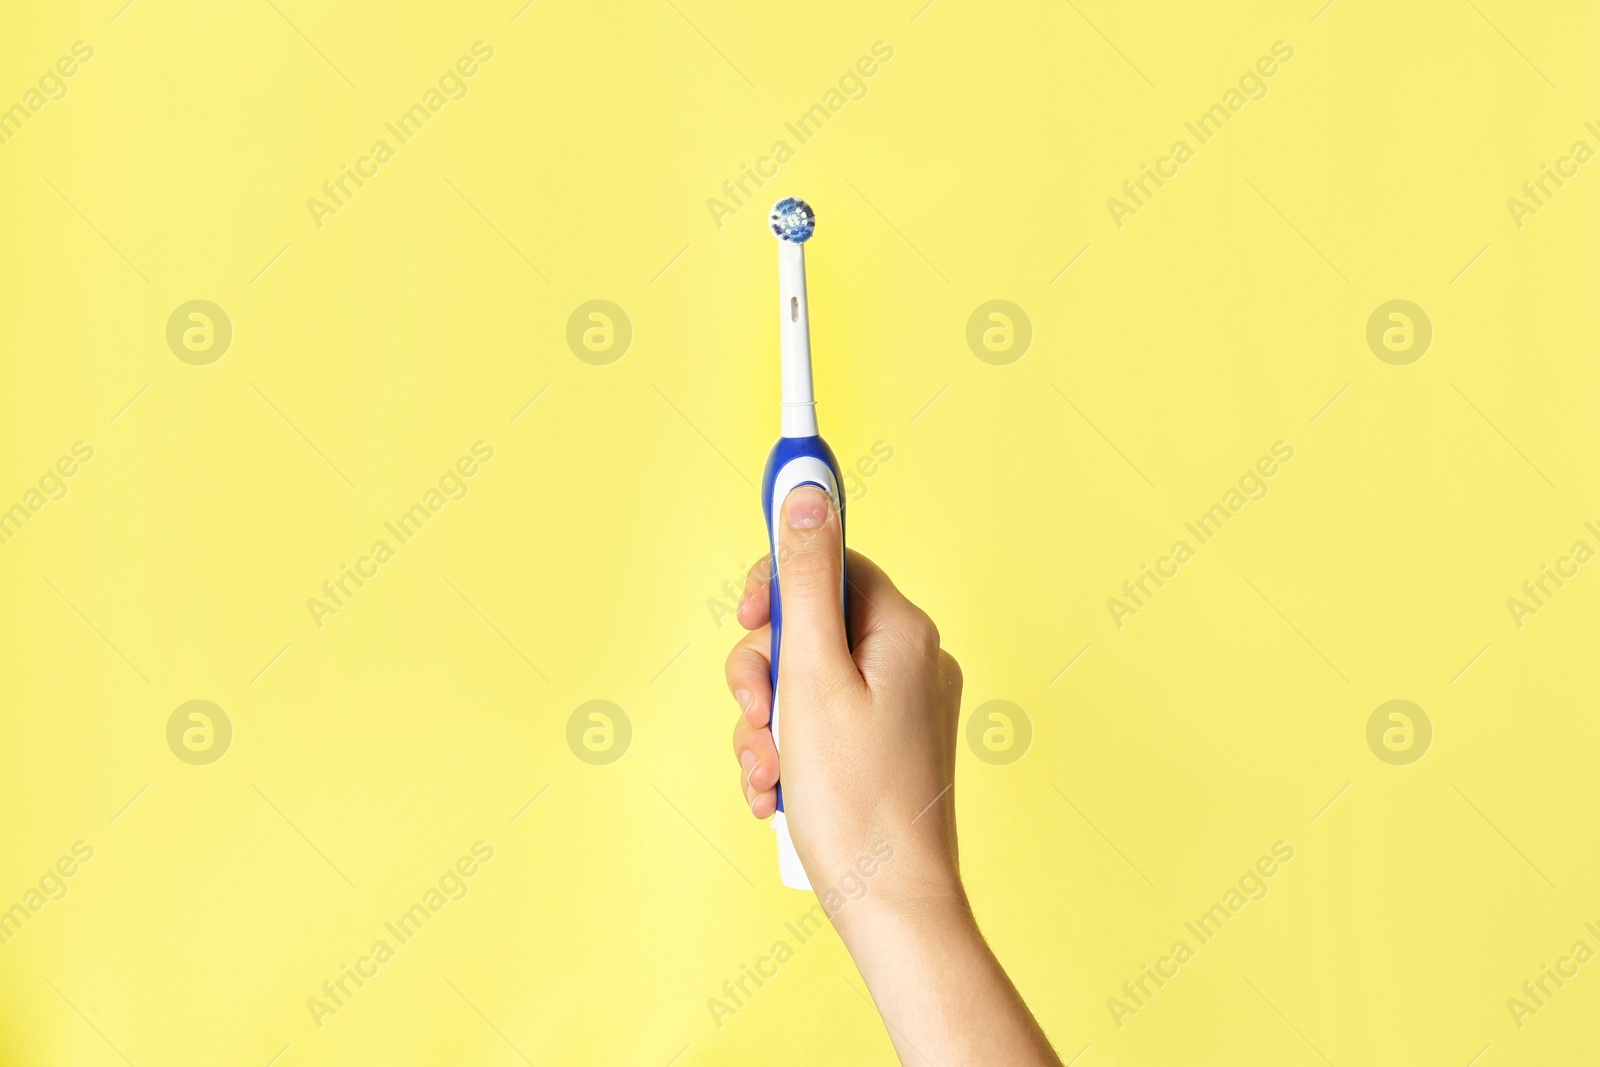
(783, 453)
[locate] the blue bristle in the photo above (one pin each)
(793, 220)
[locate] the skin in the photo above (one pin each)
(869, 744)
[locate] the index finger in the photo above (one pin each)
(755, 606)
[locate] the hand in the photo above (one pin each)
(869, 733)
(868, 765)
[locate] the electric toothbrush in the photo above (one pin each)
(801, 456)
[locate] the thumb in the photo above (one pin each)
(810, 576)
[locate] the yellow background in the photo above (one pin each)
(369, 353)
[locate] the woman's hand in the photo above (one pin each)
(869, 751)
(869, 733)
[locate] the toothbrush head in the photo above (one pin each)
(793, 220)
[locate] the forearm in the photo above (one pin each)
(942, 994)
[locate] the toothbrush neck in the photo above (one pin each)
(799, 420)
(799, 404)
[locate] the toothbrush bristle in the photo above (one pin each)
(793, 220)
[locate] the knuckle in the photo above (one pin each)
(807, 567)
(951, 669)
(756, 580)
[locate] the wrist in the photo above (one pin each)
(916, 909)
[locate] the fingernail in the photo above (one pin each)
(743, 697)
(807, 508)
(747, 760)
